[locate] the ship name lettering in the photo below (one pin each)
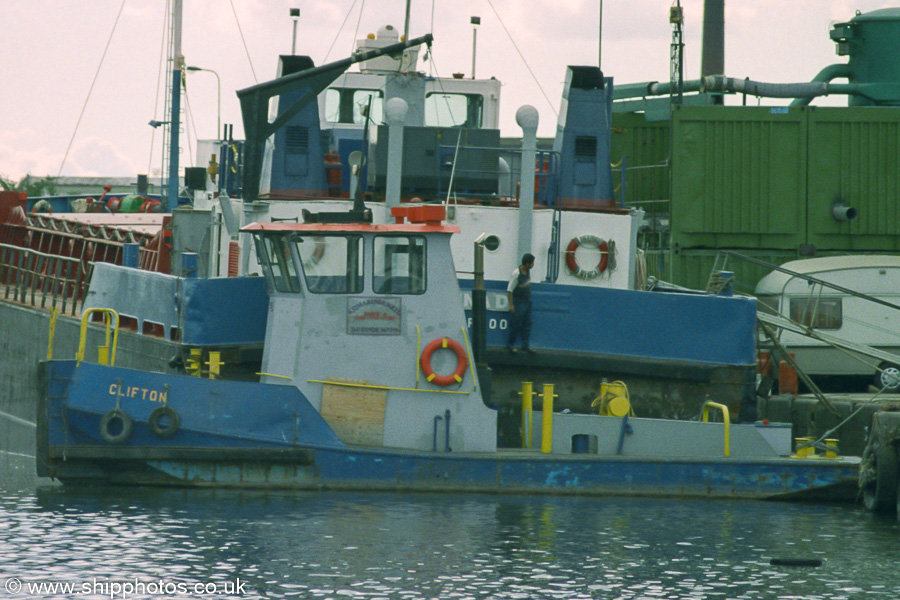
(133, 391)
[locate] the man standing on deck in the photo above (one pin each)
(519, 293)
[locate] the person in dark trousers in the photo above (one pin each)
(519, 293)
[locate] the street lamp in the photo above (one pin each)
(218, 96)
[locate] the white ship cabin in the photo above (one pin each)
(367, 321)
(434, 101)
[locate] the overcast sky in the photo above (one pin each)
(51, 53)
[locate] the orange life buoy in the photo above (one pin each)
(587, 240)
(462, 362)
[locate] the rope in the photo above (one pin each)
(538, 83)
(159, 77)
(341, 28)
(16, 419)
(241, 32)
(96, 74)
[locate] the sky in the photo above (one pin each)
(81, 79)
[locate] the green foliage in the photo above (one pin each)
(33, 186)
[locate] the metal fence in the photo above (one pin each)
(37, 278)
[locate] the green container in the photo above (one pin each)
(739, 177)
(644, 146)
(853, 160)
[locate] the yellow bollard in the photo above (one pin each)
(831, 443)
(547, 419)
(527, 395)
(807, 451)
(215, 364)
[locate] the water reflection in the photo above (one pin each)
(411, 546)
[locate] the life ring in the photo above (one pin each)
(116, 414)
(462, 361)
(161, 413)
(590, 241)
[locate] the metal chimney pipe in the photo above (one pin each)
(712, 52)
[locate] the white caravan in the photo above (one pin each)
(837, 315)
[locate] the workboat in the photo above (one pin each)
(593, 318)
(368, 380)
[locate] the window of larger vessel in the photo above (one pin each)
(817, 312)
(453, 110)
(399, 266)
(332, 264)
(274, 254)
(345, 105)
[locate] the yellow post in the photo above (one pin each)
(215, 364)
(54, 313)
(527, 395)
(547, 419)
(194, 362)
(831, 443)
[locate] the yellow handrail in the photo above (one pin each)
(105, 354)
(725, 417)
(383, 387)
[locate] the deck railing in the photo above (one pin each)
(36, 278)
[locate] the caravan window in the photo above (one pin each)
(343, 105)
(332, 264)
(817, 312)
(399, 266)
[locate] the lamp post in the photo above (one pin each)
(218, 96)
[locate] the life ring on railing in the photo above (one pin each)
(462, 361)
(590, 241)
(164, 421)
(106, 424)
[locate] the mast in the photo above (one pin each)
(174, 119)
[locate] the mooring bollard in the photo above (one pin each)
(547, 419)
(527, 395)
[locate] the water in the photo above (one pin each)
(420, 546)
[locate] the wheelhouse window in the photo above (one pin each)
(345, 105)
(332, 264)
(274, 254)
(399, 265)
(818, 312)
(454, 110)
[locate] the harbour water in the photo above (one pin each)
(114, 542)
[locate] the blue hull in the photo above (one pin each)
(297, 450)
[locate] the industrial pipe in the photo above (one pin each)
(843, 212)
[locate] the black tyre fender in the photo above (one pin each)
(107, 423)
(160, 413)
(881, 495)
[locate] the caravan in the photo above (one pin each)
(844, 302)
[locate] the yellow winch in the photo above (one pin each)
(613, 400)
